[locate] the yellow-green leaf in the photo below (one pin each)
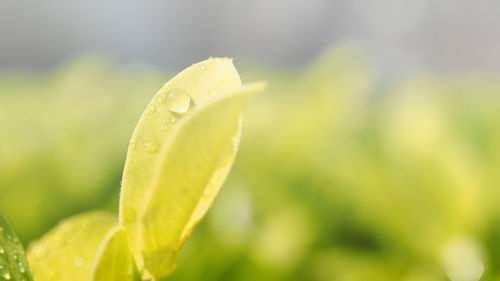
(195, 84)
(195, 161)
(68, 251)
(13, 264)
(114, 261)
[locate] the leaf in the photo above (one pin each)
(13, 263)
(68, 251)
(200, 81)
(195, 161)
(114, 261)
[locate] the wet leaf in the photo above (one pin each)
(189, 89)
(13, 264)
(195, 161)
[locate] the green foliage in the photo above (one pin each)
(156, 124)
(13, 264)
(194, 165)
(68, 252)
(179, 157)
(69, 132)
(114, 260)
(342, 176)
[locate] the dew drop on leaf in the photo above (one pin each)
(178, 101)
(152, 147)
(207, 192)
(2, 250)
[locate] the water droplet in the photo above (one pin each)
(178, 101)
(172, 119)
(207, 192)
(21, 268)
(14, 257)
(79, 262)
(152, 147)
(2, 250)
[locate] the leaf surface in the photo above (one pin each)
(114, 260)
(195, 161)
(68, 251)
(201, 82)
(13, 263)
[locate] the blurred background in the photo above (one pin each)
(373, 155)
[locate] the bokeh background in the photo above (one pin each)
(373, 155)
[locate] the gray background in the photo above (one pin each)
(398, 35)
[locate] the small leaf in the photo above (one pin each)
(68, 251)
(13, 263)
(195, 161)
(114, 261)
(190, 88)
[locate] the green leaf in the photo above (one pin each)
(13, 263)
(114, 261)
(68, 251)
(200, 82)
(195, 161)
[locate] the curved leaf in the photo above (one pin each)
(195, 161)
(68, 251)
(114, 260)
(200, 81)
(13, 263)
